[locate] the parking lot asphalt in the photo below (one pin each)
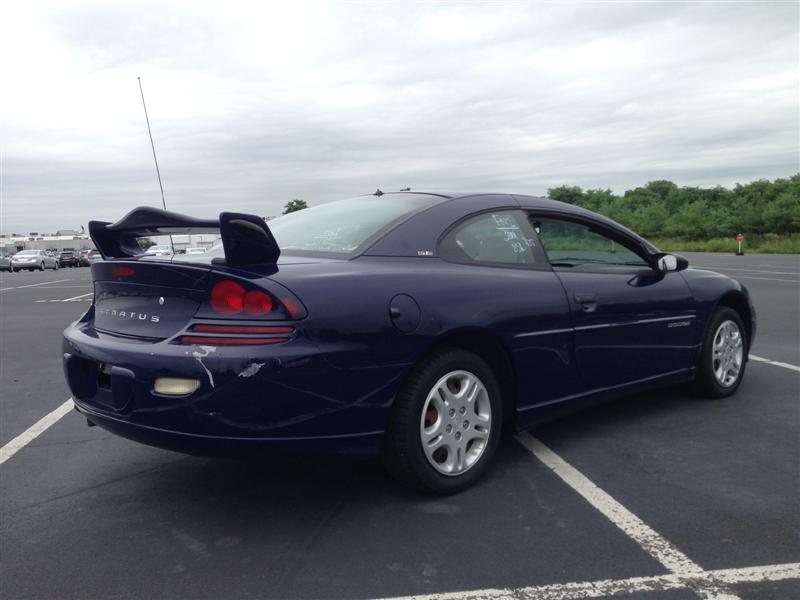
(661, 495)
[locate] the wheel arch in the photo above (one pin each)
(739, 302)
(488, 347)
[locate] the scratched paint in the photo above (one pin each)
(199, 355)
(251, 370)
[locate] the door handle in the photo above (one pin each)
(587, 301)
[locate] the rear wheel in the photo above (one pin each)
(722, 362)
(445, 424)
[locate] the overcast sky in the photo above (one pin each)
(255, 104)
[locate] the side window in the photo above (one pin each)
(575, 246)
(496, 238)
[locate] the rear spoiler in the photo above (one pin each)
(246, 239)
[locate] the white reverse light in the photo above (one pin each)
(174, 386)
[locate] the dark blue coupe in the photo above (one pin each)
(417, 326)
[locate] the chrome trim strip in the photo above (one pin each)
(547, 332)
(639, 322)
(602, 325)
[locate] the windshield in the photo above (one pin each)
(28, 253)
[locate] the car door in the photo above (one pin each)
(631, 322)
(512, 292)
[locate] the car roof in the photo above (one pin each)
(525, 200)
(419, 232)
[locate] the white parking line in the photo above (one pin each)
(76, 297)
(19, 287)
(32, 432)
(750, 270)
(650, 541)
(615, 587)
(737, 276)
(776, 363)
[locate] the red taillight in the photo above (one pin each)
(227, 297)
(237, 331)
(257, 303)
(122, 271)
(292, 307)
(256, 329)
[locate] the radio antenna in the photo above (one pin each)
(155, 160)
(153, 146)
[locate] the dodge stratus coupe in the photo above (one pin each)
(414, 326)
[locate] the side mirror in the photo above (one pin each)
(667, 263)
(671, 262)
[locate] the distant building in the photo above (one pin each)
(67, 232)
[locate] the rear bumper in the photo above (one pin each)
(366, 444)
(251, 399)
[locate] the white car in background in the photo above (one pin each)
(33, 259)
(164, 252)
(197, 250)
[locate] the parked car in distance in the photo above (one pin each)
(159, 252)
(87, 257)
(5, 262)
(67, 258)
(413, 326)
(196, 250)
(32, 260)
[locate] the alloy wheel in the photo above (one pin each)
(727, 353)
(455, 423)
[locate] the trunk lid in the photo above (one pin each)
(149, 301)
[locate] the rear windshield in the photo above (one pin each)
(342, 227)
(28, 253)
(338, 228)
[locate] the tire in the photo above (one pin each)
(465, 442)
(725, 340)
(41, 266)
(55, 266)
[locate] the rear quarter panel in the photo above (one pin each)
(349, 319)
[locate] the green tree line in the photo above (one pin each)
(662, 209)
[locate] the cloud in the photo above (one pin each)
(253, 105)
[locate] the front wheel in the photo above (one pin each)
(55, 266)
(41, 266)
(445, 424)
(724, 354)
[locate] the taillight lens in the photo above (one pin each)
(253, 329)
(257, 303)
(227, 297)
(230, 297)
(237, 335)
